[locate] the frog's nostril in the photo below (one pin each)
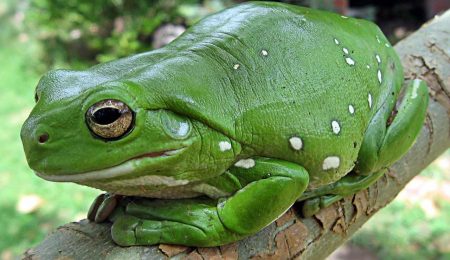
(43, 138)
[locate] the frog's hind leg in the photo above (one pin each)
(383, 144)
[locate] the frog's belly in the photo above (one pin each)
(160, 187)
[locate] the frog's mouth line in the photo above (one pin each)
(115, 171)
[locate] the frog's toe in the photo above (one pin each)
(94, 206)
(129, 230)
(312, 206)
(102, 207)
(168, 232)
(123, 231)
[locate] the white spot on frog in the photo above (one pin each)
(387, 45)
(351, 109)
(415, 87)
(336, 127)
(224, 146)
(378, 58)
(369, 99)
(245, 163)
(345, 50)
(264, 53)
(296, 143)
(368, 66)
(378, 39)
(379, 76)
(336, 41)
(331, 162)
(236, 66)
(343, 16)
(350, 61)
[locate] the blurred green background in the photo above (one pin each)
(39, 35)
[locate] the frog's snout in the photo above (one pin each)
(32, 134)
(35, 138)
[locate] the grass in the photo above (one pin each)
(400, 231)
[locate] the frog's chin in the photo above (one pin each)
(122, 169)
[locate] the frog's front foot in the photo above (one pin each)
(103, 206)
(190, 222)
(269, 188)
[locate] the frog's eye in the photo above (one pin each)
(110, 119)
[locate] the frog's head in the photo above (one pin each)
(96, 130)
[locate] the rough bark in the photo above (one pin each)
(425, 54)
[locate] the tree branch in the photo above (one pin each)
(424, 54)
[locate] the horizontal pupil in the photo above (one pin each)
(106, 116)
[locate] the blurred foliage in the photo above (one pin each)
(86, 32)
(402, 231)
(83, 32)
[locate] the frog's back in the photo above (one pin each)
(301, 84)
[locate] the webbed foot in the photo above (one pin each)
(312, 206)
(325, 196)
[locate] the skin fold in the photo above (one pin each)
(211, 138)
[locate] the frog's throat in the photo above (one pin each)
(124, 168)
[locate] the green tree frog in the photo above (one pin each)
(211, 138)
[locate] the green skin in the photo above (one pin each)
(262, 105)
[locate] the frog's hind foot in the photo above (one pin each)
(312, 206)
(324, 196)
(389, 137)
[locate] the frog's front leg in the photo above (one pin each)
(270, 187)
(384, 143)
